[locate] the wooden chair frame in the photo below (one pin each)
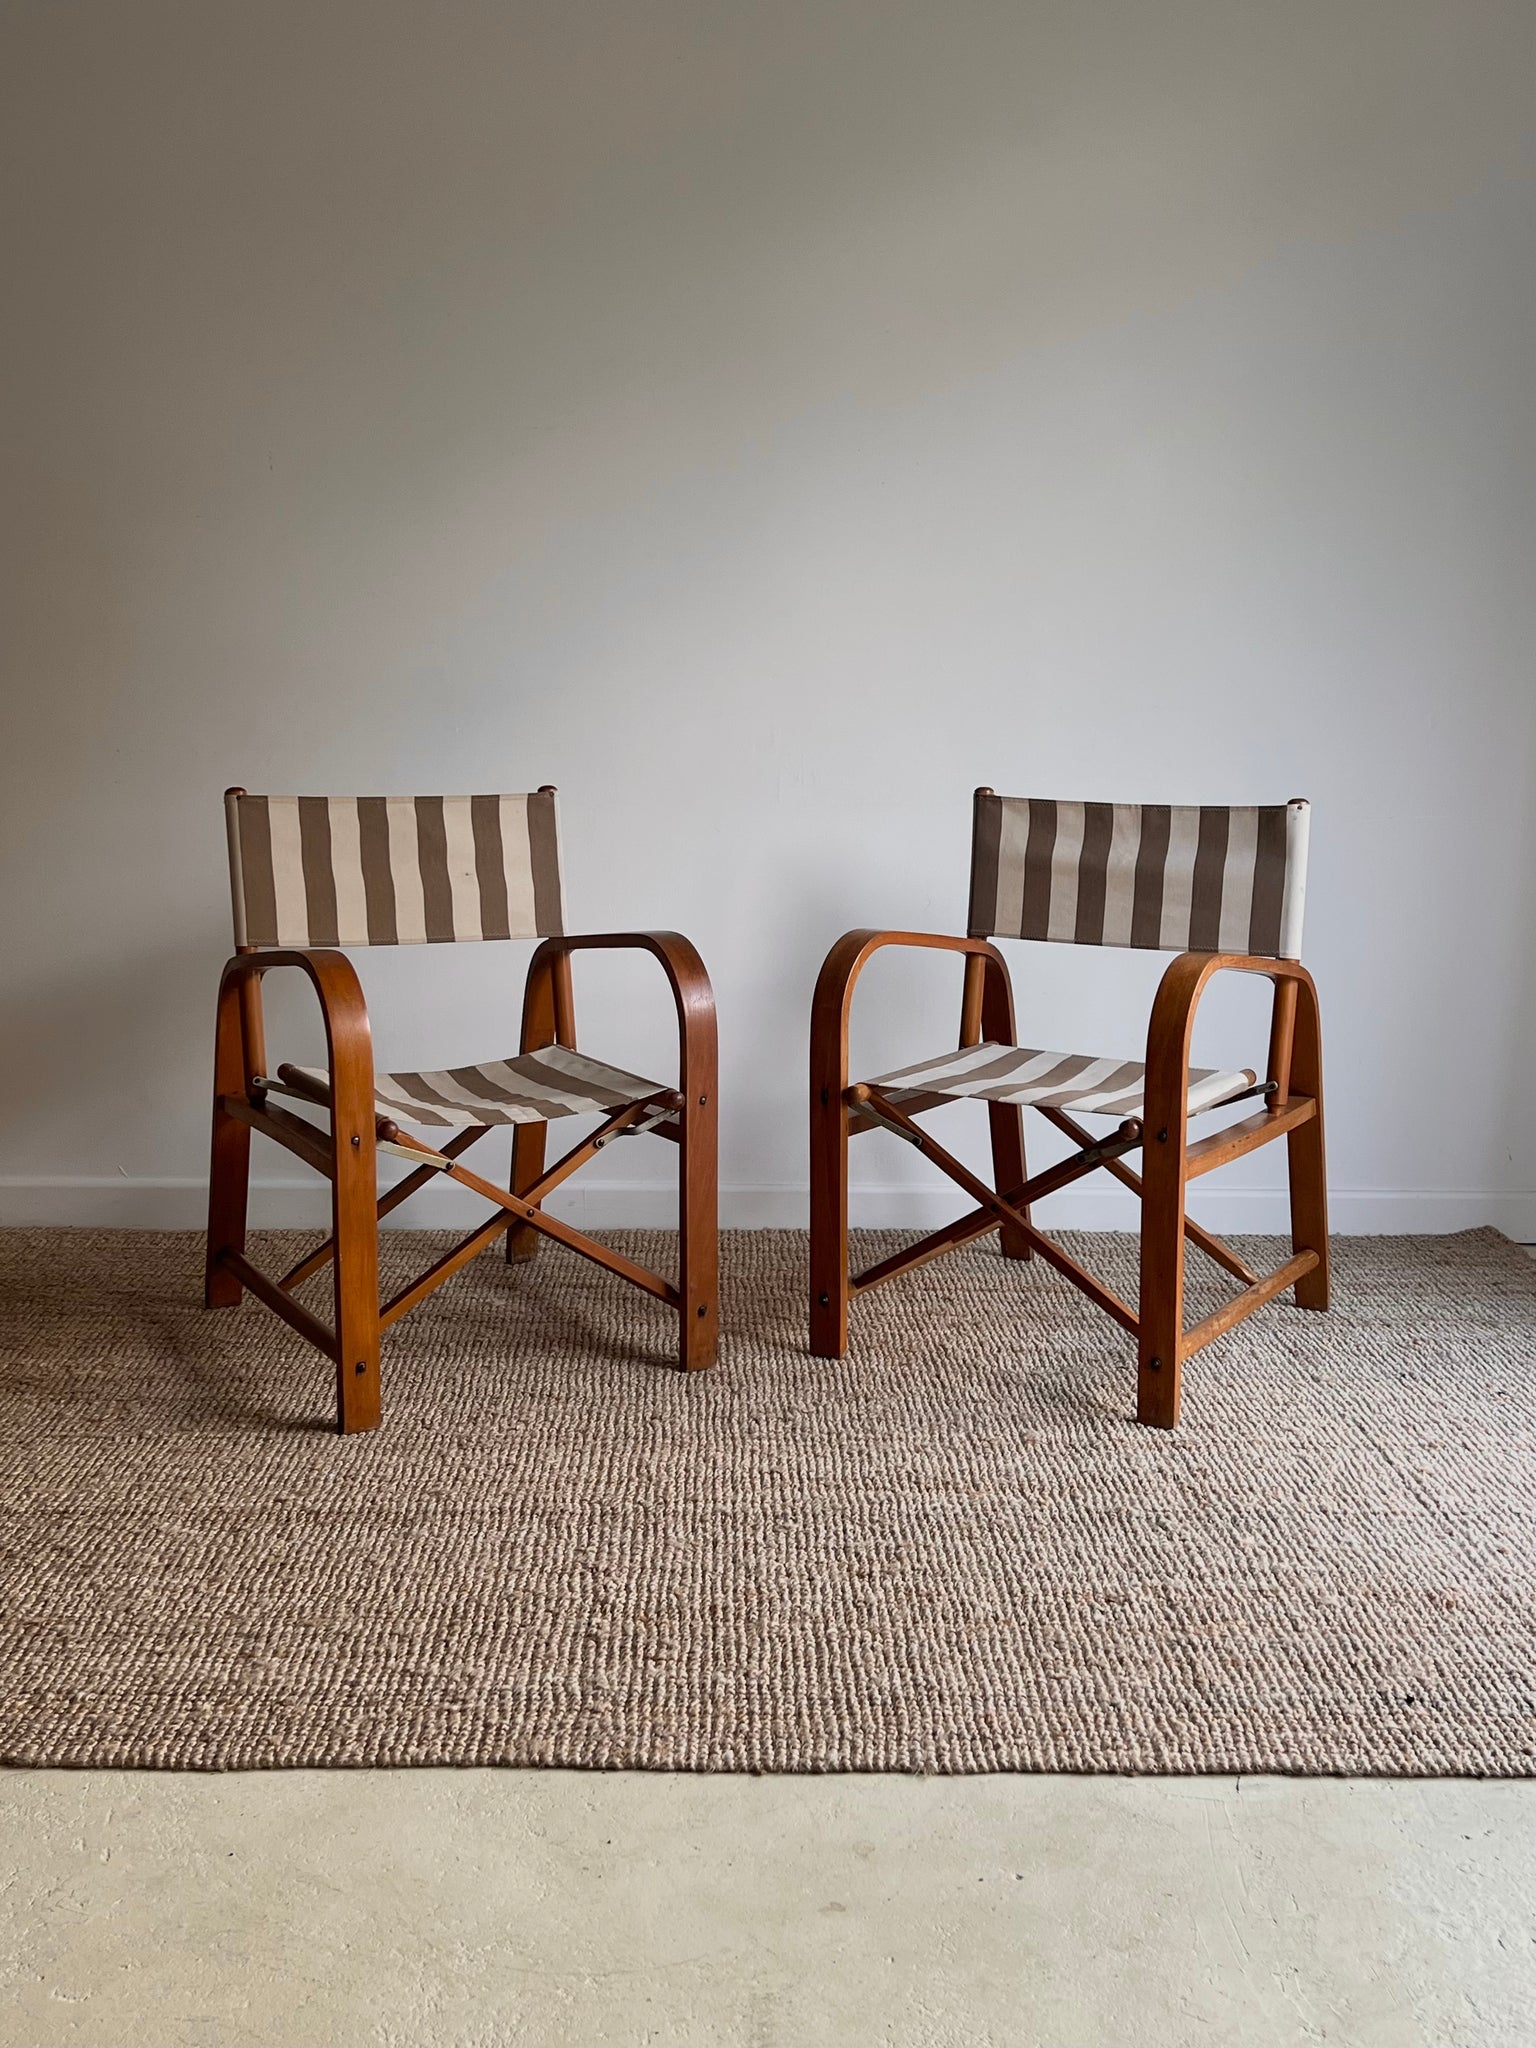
(346, 1155)
(1293, 1109)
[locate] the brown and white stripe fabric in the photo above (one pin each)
(1200, 878)
(529, 1088)
(1073, 1081)
(394, 870)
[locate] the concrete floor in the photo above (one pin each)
(485, 1907)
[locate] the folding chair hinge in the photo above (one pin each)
(1268, 1089)
(1127, 1138)
(657, 1113)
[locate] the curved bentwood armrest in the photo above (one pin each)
(1170, 1162)
(1295, 1054)
(348, 1034)
(987, 1011)
(548, 1018)
(346, 1155)
(680, 961)
(547, 1015)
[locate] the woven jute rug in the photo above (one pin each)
(953, 1551)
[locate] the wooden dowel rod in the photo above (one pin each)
(970, 999)
(300, 1138)
(1282, 1037)
(391, 1199)
(524, 1212)
(975, 1224)
(1214, 1247)
(1245, 1303)
(1209, 1153)
(425, 1283)
(292, 1312)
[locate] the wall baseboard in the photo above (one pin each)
(102, 1202)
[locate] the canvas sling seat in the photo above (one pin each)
(1076, 1082)
(528, 1088)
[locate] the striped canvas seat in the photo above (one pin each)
(1075, 1082)
(529, 1088)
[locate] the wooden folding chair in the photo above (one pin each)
(1224, 885)
(311, 874)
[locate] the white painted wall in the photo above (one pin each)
(767, 423)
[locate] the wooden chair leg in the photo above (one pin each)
(1307, 1159)
(1006, 1120)
(355, 1228)
(230, 1161)
(523, 1240)
(548, 1019)
(829, 1222)
(1009, 1171)
(1161, 1315)
(698, 1204)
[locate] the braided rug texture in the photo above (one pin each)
(952, 1551)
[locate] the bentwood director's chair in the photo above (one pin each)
(1221, 887)
(309, 875)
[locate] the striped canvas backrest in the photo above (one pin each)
(393, 870)
(1203, 878)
